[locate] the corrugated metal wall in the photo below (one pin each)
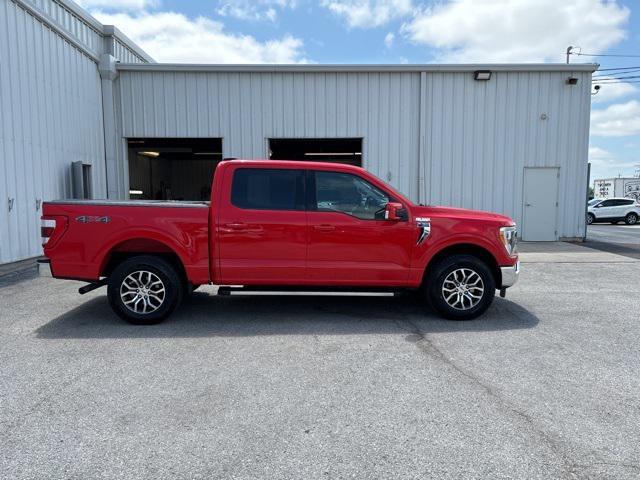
(51, 113)
(474, 138)
(88, 34)
(246, 109)
(124, 53)
(481, 135)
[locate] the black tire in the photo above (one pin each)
(631, 218)
(590, 218)
(442, 272)
(154, 269)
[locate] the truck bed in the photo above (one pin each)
(94, 232)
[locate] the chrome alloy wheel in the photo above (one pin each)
(142, 292)
(463, 289)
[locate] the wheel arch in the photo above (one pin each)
(141, 246)
(464, 249)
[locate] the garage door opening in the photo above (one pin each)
(172, 168)
(337, 150)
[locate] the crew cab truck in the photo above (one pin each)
(281, 225)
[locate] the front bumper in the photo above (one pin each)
(510, 275)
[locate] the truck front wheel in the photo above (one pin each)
(462, 287)
(144, 290)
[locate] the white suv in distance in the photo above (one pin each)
(613, 210)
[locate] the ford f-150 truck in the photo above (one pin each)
(281, 225)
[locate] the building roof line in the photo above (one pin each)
(102, 30)
(275, 68)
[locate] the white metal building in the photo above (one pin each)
(77, 91)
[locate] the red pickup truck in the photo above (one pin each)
(281, 225)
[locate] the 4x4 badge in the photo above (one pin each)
(92, 219)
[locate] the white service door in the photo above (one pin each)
(540, 204)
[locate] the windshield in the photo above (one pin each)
(594, 201)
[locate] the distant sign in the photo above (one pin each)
(603, 189)
(631, 188)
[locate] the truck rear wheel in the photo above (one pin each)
(462, 287)
(144, 290)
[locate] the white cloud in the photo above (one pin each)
(606, 164)
(173, 37)
(118, 4)
(613, 91)
(388, 39)
(517, 30)
(254, 10)
(369, 13)
(617, 120)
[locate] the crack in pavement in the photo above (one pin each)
(427, 347)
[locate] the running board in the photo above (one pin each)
(311, 290)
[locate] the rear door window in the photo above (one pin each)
(268, 189)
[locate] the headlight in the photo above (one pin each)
(509, 237)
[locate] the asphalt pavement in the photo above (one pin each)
(621, 239)
(545, 385)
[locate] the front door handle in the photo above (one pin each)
(324, 228)
(236, 226)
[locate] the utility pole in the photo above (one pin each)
(569, 48)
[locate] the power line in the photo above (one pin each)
(613, 83)
(603, 55)
(619, 68)
(614, 78)
(617, 73)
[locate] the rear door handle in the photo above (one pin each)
(324, 228)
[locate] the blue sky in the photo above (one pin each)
(407, 31)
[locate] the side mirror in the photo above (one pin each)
(395, 212)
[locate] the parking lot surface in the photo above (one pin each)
(545, 385)
(621, 239)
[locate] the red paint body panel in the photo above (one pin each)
(84, 249)
(344, 250)
(222, 244)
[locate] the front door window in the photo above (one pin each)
(350, 194)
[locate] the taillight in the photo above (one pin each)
(47, 227)
(52, 228)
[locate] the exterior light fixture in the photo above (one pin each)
(482, 75)
(150, 154)
(135, 192)
(572, 81)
